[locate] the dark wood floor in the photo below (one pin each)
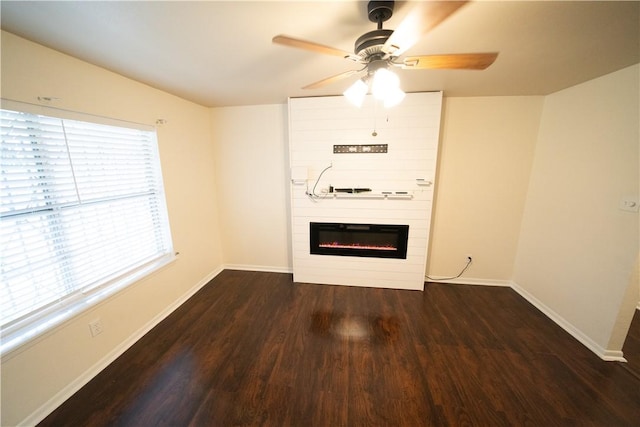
(256, 349)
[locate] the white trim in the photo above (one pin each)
(62, 113)
(638, 306)
(20, 337)
(264, 268)
(50, 405)
(604, 354)
(468, 281)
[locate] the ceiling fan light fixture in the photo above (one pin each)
(386, 87)
(393, 98)
(356, 93)
(384, 81)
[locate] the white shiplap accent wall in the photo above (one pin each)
(411, 131)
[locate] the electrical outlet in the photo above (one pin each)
(96, 328)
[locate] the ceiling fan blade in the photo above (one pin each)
(311, 46)
(459, 61)
(331, 79)
(424, 16)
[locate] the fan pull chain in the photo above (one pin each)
(375, 118)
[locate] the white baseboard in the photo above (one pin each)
(468, 281)
(68, 391)
(264, 268)
(604, 354)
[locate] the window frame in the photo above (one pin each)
(26, 329)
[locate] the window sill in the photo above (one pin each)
(17, 337)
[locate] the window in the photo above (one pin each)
(82, 210)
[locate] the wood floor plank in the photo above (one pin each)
(256, 349)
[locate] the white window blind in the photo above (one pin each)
(82, 204)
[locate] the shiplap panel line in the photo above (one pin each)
(337, 204)
(411, 131)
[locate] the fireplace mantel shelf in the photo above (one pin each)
(368, 195)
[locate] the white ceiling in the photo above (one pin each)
(219, 53)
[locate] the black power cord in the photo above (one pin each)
(469, 260)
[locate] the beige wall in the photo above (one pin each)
(485, 158)
(252, 174)
(486, 152)
(42, 373)
(577, 248)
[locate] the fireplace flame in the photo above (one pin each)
(338, 245)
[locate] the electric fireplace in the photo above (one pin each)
(360, 240)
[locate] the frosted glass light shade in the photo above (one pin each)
(385, 86)
(393, 98)
(356, 93)
(384, 82)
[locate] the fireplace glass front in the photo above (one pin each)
(361, 240)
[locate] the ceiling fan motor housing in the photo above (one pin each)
(369, 45)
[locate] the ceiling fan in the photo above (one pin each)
(381, 48)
